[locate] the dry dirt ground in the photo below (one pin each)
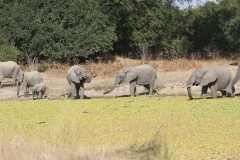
(170, 83)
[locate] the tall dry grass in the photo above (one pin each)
(25, 147)
(109, 69)
(19, 149)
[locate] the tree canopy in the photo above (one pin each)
(63, 30)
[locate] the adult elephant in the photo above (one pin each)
(237, 77)
(29, 79)
(76, 77)
(216, 78)
(136, 75)
(9, 69)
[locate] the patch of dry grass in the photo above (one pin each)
(25, 149)
(109, 69)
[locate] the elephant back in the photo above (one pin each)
(32, 78)
(146, 74)
(9, 68)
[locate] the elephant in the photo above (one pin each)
(237, 77)
(9, 69)
(29, 79)
(39, 89)
(76, 77)
(217, 78)
(136, 75)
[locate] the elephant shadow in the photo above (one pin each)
(237, 94)
(86, 97)
(67, 95)
(234, 63)
(198, 98)
(8, 85)
(146, 93)
(142, 93)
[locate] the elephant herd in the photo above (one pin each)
(217, 78)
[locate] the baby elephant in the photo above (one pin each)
(39, 89)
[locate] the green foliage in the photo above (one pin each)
(62, 30)
(9, 53)
(57, 30)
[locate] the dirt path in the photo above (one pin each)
(171, 83)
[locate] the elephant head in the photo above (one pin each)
(124, 75)
(80, 74)
(20, 80)
(40, 87)
(201, 77)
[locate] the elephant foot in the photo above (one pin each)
(77, 97)
(72, 97)
(232, 95)
(204, 97)
(25, 94)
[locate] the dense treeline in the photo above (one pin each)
(89, 29)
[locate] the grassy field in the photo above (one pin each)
(189, 129)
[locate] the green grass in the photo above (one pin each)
(193, 129)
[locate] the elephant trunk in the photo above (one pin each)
(237, 77)
(88, 80)
(117, 81)
(190, 82)
(189, 92)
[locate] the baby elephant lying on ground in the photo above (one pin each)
(39, 89)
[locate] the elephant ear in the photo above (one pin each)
(39, 88)
(130, 75)
(76, 76)
(79, 74)
(208, 77)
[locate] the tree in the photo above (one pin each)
(57, 30)
(146, 25)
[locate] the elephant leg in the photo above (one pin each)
(213, 91)
(204, 92)
(230, 91)
(81, 90)
(147, 86)
(43, 94)
(77, 90)
(73, 88)
(1, 83)
(151, 88)
(224, 93)
(14, 76)
(25, 89)
(133, 89)
(40, 95)
(14, 81)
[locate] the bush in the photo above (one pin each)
(10, 53)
